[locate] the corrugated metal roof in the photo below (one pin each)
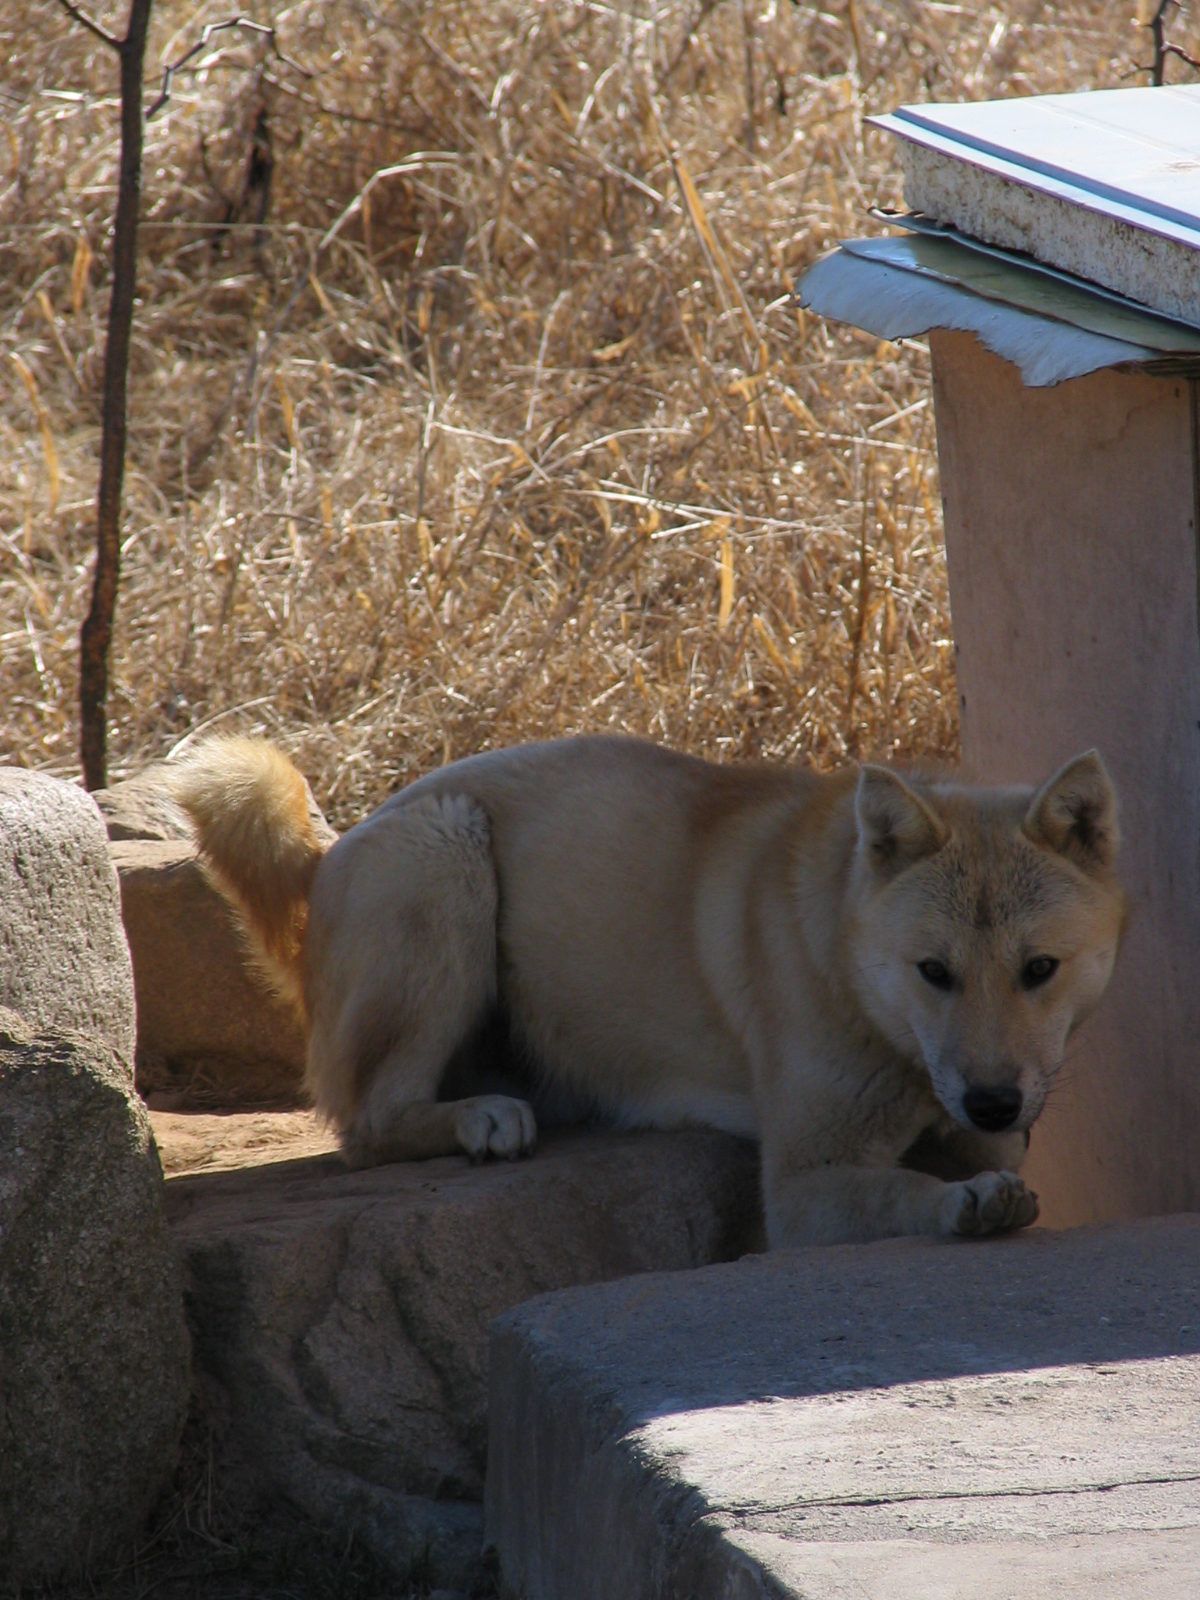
(1016, 281)
(915, 222)
(1132, 154)
(882, 286)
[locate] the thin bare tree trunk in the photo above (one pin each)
(1158, 34)
(96, 634)
(750, 129)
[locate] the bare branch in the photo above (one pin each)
(90, 24)
(172, 67)
(1156, 27)
(1174, 50)
(392, 126)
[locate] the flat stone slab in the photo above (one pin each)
(345, 1315)
(914, 1420)
(143, 808)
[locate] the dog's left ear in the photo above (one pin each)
(1075, 813)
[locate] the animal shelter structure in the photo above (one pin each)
(1052, 255)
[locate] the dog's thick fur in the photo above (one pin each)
(848, 968)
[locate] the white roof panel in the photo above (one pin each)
(1104, 185)
(1133, 154)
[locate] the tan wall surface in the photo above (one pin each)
(1070, 519)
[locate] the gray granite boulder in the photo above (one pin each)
(94, 1358)
(64, 963)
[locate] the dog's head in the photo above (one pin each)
(984, 925)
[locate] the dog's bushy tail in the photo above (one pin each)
(250, 807)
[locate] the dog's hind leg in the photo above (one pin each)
(401, 957)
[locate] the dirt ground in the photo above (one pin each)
(191, 1142)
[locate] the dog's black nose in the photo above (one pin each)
(993, 1110)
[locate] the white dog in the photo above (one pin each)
(845, 967)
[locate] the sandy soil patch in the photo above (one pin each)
(202, 1142)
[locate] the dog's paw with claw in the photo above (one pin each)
(495, 1125)
(991, 1202)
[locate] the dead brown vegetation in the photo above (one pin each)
(467, 403)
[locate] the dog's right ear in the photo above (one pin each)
(895, 826)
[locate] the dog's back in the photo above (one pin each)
(603, 849)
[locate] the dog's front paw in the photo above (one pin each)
(991, 1202)
(494, 1124)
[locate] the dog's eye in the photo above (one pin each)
(936, 973)
(1038, 971)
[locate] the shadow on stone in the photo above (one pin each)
(911, 1419)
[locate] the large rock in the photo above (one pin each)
(63, 958)
(143, 807)
(93, 1345)
(210, 1030)
(208, 1025)
(913, 1420)
(347, 1313)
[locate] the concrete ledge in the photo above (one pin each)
(346, 1315)
(908, 1421)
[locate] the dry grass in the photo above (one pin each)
(534, 442)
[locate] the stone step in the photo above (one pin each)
(914, 1420)
(341, 1319)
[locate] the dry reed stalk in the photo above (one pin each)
(478, 412)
